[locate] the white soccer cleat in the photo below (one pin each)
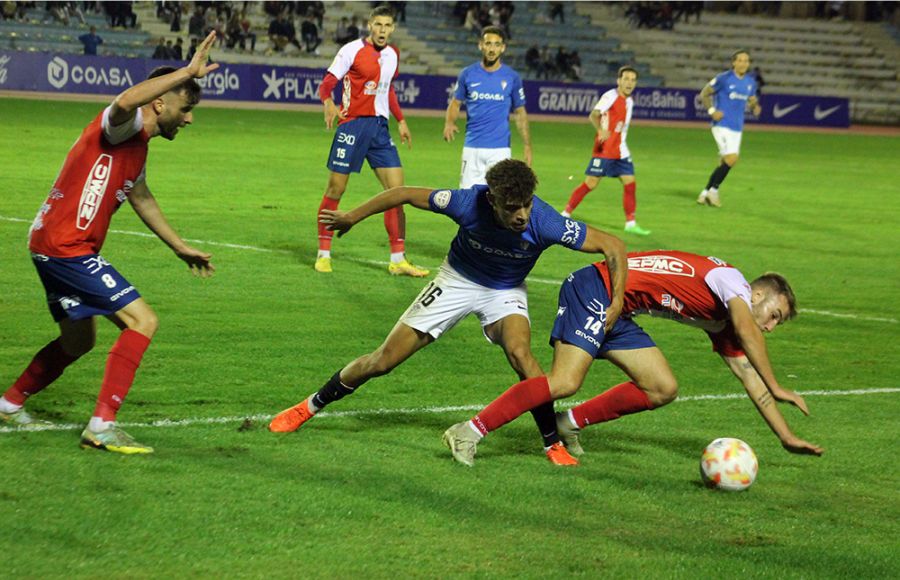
(461, 441)
(569, 434)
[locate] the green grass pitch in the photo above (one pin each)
(372, 492)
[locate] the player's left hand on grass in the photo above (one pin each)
(801, 447)
(199, 262)
(336, 221)
(405, 135)
(198, 67)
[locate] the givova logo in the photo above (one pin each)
(59, 74)
(94, 189)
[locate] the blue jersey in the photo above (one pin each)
(489, 98)
(730, 97)
(491, 255)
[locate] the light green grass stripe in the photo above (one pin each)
(418, 410)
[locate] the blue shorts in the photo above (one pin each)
(581, 316)
(602, 167)
(83, 287)
(362, 138)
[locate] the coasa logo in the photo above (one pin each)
(59, 74)
(93, 191)
(661, 265)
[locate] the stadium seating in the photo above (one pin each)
(799, 56)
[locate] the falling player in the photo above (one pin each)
(696, 290)
(105, 167)
(611, 117)
(367, 69)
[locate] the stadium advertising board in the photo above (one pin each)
(79, 74)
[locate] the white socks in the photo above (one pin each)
(8, 407)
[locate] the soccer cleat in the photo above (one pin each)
(113, 439)
(461, 441)
(558, 455)
(23, 420)
(323, 265)
(637, 230)
(406, 268)
(712, 198)
(701, 199)
(291, 419)
(569, 434)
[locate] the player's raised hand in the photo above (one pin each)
(198, 261)
(801, 447)
(198, 66)
(405, 135)
(450, 131)
(336, 221)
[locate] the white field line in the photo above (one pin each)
(414, 411)
(531, 279)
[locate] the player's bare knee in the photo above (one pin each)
(147, 324)
(521, 359)
(731, 160)
(662, 392)
(562, 386)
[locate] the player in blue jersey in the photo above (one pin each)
(503, 228)
(733, 90)
(490, 90)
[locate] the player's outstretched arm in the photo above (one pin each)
(745, 372)
(342, 221)
(600, 242)
(126, 103)
(148, 210)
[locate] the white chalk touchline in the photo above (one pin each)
(530, 279)
(412, 411)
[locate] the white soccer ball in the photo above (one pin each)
(728, 464)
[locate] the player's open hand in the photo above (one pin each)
(198, 66)
(794, 399)
(332, 111)
(757, 110)
(801, 447)
(718, 115)
(336, 220)
(198, 261)
(450, 131)
(405, 135)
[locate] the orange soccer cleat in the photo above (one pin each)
(291, 419)
(558, 455)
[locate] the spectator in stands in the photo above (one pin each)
(90, 41)
(162, 52)
(557, 9)
(8, 10)
(533, 60)
(548, 63)
(760, 82)
(178, 49)
(309, 32)
(575, 65)
(196, 23)
(192, 48)
(353, 31)
(282, 33)
(399, 10)
(471, 20)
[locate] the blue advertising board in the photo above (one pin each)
(78, 74)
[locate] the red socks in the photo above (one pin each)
(629, 202)
(46, 366)
(395, 224)
(124, 359)
(518, 399)
(576, 197)
(623, 399)
(325, 236)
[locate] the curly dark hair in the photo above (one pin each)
(779, 284)
(512, 180)
(190, 86)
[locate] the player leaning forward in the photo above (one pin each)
(367, 69)
(700, 291)
(733, 90)
(105, 167)
(503, 229)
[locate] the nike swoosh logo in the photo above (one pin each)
(475, 84)
(779, 112)
(819, 114)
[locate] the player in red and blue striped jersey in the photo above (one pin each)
(366, 69)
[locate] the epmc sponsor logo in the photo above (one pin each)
(94, 189)
(661, 265)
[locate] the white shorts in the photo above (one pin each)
(476, 162)
(450, 297)
(729, 141)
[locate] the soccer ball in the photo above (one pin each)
(728, 464)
